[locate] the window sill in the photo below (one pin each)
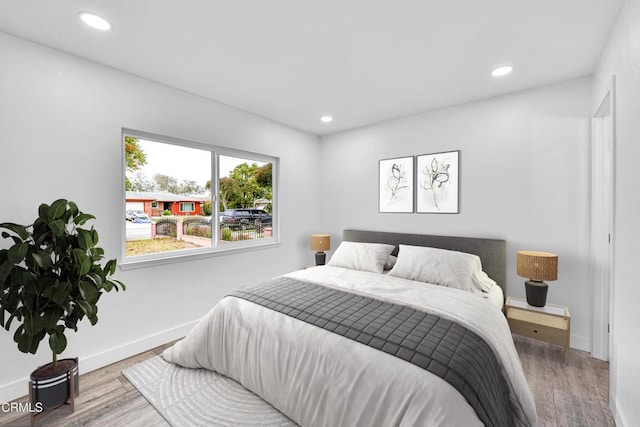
(175, 257)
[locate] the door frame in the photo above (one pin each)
(603, 210)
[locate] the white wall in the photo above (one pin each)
(60, 136)
(621, 58)
(525, 178)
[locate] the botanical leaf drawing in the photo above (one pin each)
(435, 175)
(397, 182)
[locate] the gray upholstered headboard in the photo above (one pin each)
(492, 252)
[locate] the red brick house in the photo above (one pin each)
(154, 204)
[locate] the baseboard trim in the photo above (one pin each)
(17, 389)
(100, 360)
(618, 415)
(580, 343)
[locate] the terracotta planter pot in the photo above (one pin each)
(53, 389)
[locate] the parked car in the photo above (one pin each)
(246, 218)
(137, 216)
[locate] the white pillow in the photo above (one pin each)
(483, 282)
(438, 266)
(361, 256)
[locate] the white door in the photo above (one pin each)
(135, 206)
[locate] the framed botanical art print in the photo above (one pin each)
(437, 182)
(396, 185)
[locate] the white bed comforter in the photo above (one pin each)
(318, 378)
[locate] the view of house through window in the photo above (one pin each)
(169, 194)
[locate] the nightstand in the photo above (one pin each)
(551, 323)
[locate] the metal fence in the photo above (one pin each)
(195, 226)
(167, 227)
(232, 232)
(201, 227)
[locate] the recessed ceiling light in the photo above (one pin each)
(95, 21)
(326, 119)
(502, 71)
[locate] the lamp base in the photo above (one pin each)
(321, 258)
(536, 293)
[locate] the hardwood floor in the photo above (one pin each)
(106, 398)
(571, 392)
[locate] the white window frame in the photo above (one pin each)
(193, 207)
(216, 249)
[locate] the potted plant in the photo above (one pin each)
(51, 277)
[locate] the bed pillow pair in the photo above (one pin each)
(441, 267)
(361, 256)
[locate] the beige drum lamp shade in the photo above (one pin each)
(537, 267)
(320, 242)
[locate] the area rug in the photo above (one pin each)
(198, 397)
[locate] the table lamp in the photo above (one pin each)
(537, 267)
(320, 243)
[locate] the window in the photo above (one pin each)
(192, 199)
(187, 207)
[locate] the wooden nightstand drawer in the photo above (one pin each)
(551, 323)
(540, 332)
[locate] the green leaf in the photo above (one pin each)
(17, 252)
(84, 239)
(66, 216)
(118, 283)
(29, 287)
(73, 207)
(43, 259)
(57, 209)
(18, 337)
(57, 341)
(18, 229)
(96, 279)
(88, 309)
(108, 286)
(51, 317)
(110, 267)
(42, 211)
(82, 218)
(7, 325)
(32, 323)
(57, 227)
(93, 320)
(27, 343)
(5, 269)
(94, 236)
(89, 292)
(48, 292)
(61, 293)
(79, 255)
(71, 320)
(85, 266)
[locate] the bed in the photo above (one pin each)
(341, 345)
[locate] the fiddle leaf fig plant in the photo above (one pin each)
(52, 276)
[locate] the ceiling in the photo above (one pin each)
(360, 61)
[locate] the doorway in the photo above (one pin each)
(602, 214)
